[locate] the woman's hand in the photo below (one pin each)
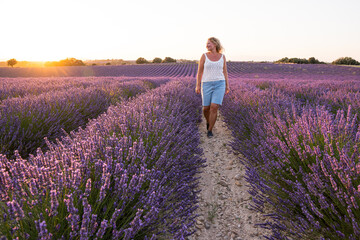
(197, 89)
(227, 90)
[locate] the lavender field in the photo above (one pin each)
(112, 152)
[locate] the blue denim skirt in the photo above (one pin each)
(212, 92)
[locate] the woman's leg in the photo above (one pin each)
(206, 110)
(213, 115)
(206, 91)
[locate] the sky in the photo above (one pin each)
(249, 30)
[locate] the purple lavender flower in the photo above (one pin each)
(54, 202)
(88, 187)
(101, 231)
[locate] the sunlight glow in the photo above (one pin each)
(42, 30)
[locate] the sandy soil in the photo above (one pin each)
(224, 199)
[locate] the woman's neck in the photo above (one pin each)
(214, 52)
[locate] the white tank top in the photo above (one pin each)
(213, 70)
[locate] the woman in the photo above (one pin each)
(213, 78)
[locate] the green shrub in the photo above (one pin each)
(169, 60)
(346, 61)
(141, 60)
(313, 60)
(157, 60)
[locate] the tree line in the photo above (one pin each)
(312, 60)
(77, 62)
(64, 62)
(142, 60)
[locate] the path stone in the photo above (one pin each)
(238, 183)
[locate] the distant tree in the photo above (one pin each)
(108, 63)
(11, 62)
(298, 60)
(157, 60)
(94, 64)
(282, 60)
(141, 60)
(168, 60)
(313, 60)
(346, 61)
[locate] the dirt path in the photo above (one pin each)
(224, 200)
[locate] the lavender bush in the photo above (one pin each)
(334, 95)
(130, 174)
(25, 121)
(301, 149)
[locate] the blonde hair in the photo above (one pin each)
(219, 47)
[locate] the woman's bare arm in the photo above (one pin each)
(200, 73)
(227, 88)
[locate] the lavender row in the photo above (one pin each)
(20, 87)
(270, 71)
(334, 95)
(130, 174)
(24, 122)
(148, 70)
(245, 70)
(302, 160)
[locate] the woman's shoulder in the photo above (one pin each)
(202, 59)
